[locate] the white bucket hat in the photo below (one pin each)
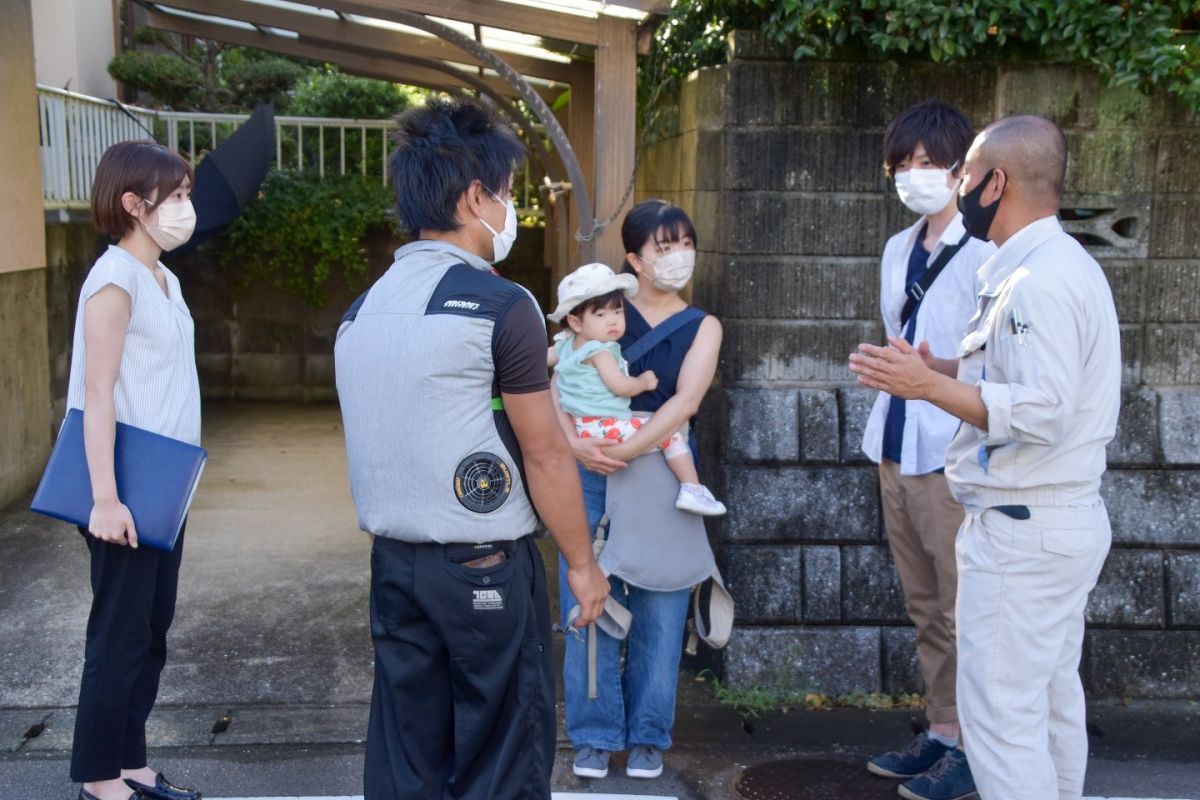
(590, 280)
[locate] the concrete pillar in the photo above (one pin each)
(24, 363)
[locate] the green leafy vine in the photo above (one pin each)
(302, 228)
(1144, 43)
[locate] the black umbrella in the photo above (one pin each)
(229, 175)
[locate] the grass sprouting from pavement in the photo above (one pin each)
(754, 701)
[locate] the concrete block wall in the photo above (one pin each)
(252, 342)
(71, 248)
(794, 215)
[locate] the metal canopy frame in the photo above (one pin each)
(514, 49)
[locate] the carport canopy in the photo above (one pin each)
(534, 50)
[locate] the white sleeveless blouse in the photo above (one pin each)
(157, 386)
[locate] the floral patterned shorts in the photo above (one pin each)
(622, 429)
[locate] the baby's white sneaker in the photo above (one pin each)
(695, 498)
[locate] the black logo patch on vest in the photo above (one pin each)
(482, 482)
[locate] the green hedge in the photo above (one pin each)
(302, 228)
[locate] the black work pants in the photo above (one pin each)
(463, 702)
(133, 603)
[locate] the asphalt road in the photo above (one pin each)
(269, 673)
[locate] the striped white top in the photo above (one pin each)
(157, 386)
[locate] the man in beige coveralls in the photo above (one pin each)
(1037, 385)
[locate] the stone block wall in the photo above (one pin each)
(71, 248)
(257, 343)
(780, 163)
(252, 342)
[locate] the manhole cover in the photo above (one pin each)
(806, 779)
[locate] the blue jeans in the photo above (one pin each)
(637, 707)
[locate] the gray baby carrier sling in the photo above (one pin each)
(655, 546)
(651, 544)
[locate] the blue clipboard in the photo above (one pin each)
(156, 476)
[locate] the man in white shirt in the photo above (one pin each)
(1038, 390)
(927, 296)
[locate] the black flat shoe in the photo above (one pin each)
(162, 790)
(84, 794)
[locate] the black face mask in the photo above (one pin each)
(976, 218)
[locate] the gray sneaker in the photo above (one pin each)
(590, 763)
(644, 762)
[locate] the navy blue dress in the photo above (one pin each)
(665, 359)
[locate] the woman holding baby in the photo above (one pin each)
(664, 380)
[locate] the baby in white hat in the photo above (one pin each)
(594, 385)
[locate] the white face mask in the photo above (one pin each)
(502, 241)
(924, 190)
(672, 271)
(173, 224)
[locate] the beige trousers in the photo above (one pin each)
(1022, 592)
(922, 521)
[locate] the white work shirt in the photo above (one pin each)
(1045, 350)
(942, 318)
(157, 387)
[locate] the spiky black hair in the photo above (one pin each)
(441, 147)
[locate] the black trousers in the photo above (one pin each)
(463, 702)
(133, 603)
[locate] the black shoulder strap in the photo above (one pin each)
(352, 312)
(917, 289)
(661, 331)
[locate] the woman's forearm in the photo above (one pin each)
(669, 418)
(99, 439)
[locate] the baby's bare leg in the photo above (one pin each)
(679, 459)
(684, 468)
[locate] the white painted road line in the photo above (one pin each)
(554, 796)
(569, 795)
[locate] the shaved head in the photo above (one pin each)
(1031, 150)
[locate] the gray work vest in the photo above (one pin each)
(430, 451)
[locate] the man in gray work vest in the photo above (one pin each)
(455, 451)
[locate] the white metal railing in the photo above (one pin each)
(75, 132)
(192, 133)
(77, 129)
